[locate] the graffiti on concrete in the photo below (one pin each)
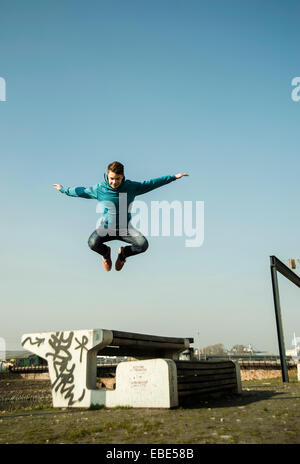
(60, 357)
(82, 345)
(38, 341)
(63, 365)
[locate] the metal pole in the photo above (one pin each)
(284, 370)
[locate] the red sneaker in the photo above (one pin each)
(107, 264)
(119, 263)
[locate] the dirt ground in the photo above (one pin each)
(267, 412)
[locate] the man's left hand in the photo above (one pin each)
(178, 176)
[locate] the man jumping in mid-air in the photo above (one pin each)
(109, 192)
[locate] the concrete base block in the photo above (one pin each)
(72, 363)
(150, 383)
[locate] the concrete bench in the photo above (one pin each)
(146, 383)
(72, 363)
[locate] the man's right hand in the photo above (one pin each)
(57, 186)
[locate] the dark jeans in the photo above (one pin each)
(138, 242)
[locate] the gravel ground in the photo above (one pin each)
(267, 412)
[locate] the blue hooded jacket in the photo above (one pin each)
(106, 194)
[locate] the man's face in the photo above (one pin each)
(114, 179)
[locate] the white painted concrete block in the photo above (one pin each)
(150, 383)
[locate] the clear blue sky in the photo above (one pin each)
(164, 86)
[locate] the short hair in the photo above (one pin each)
(116, 167)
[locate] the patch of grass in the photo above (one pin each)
(125, 425)
(123, 407)
(35, 407)
(107, 428)
(149, 426)
(81, 433)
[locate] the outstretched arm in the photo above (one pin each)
(83, 192)
(148, 185)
